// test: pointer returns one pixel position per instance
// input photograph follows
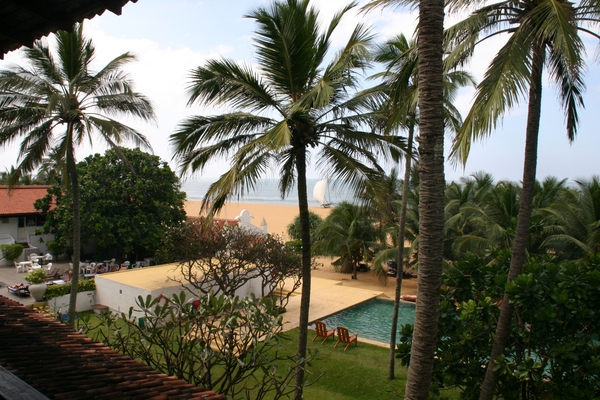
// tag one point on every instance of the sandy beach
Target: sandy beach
(278, 217)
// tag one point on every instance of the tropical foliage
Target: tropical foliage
(294, 107)
(349, 234)
(226, 343)
(58, 102)
(553, 349)
(540, 34)
(126, 206)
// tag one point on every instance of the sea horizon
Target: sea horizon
(266, 192)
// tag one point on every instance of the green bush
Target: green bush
(36, 276)
(85, 285)
(11, 251)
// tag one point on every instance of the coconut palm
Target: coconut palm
(400, 84)
(59, 102)
(575, 221)
(540, 34)
(293, 108)
(431, 170)
(350, 234)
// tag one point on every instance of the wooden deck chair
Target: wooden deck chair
(345, 337)
(323, 332)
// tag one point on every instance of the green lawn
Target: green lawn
(359, 373)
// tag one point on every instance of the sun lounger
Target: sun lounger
(19, 290)
(54, 274)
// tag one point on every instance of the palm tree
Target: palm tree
(400, 83)
(430, 55)
(540, 34)
(575, 221)
(350, 234)
(294, 108)
(58, 103)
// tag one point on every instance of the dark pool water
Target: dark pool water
(372, 319)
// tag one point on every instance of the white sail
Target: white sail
(319, 191)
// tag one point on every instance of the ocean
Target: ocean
(266, 192)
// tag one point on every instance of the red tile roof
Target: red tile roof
(64, 364)
(19, 200)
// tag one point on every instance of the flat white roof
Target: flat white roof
(148, 278)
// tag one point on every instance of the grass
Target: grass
(356, 374)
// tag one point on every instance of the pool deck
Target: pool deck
(326, 297)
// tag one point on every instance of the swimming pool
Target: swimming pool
(372, 319)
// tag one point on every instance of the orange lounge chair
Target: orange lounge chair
(345, 337)
(323, 332)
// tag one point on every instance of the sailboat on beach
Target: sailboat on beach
(320, 193)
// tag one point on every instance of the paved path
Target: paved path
(9, 276)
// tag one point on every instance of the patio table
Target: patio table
(26, 265)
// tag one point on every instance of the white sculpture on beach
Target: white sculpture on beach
(245, 221)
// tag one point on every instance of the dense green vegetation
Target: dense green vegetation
(11, 251)
(553, 349)
(127, 206)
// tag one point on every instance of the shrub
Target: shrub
(11, 251)
(36, 276)
(85, 285)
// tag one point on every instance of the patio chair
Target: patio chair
(20, 267)
(323, 332)
(345, 337)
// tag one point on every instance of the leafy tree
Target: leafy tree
(349, 234)
(296, 103)
(294, 229)
(540, 34)
(552, 350)
(125, 213)
(59, 102)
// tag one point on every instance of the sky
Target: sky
(171, 38)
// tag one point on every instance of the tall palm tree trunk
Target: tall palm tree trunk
(519, 244)
(400, 256)
(306, 265)
(431, 197)
(76, 246)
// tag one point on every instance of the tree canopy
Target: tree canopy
(124, 213)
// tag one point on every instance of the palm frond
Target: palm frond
(504, 83)
(226, 82)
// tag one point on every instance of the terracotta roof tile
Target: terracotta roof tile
(64, 364)
(19, 200)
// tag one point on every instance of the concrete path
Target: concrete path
(326, 297)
